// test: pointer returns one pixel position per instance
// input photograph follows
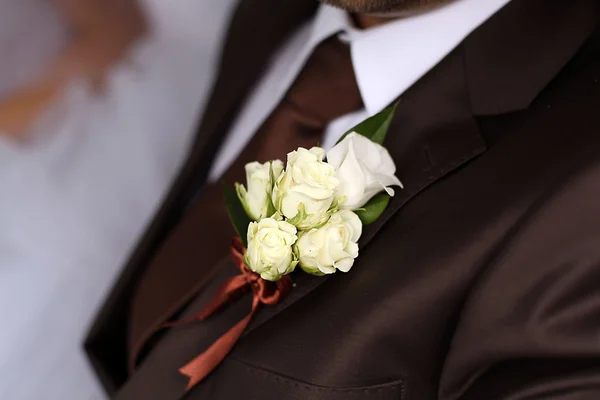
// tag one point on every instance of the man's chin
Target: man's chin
(386, 8)
(380, 7)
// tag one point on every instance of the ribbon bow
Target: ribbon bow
(264, 292)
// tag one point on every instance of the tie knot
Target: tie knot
(326, 88)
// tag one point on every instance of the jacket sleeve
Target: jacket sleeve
(530, 328)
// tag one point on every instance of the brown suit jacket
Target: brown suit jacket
(481, 279)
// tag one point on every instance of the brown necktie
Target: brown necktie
(325, 89)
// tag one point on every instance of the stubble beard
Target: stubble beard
(386, 7)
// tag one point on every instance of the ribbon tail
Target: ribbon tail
(229, 292)
(205, 363)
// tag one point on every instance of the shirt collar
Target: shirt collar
(327, 22)
(390, 58)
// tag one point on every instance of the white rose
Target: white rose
(305, 191)
(363, 168)
(332, 246)
(260, 179)
(269, 252)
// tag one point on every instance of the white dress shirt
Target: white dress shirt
(74, 202)
(387, 60)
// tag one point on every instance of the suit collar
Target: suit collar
(511, 58)
(380, 54)
(508, 60)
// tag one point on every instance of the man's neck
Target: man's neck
(365, 21)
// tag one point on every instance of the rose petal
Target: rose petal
(345, 264)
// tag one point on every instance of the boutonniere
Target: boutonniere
(309, 214)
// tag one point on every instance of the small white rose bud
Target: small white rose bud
(305, 191)
(260, 179)
(363, 168)
(331, 247)
(269, 252)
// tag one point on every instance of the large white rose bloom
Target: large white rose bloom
(363, 169)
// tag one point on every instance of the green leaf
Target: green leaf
(374, 208)
(241, 192)
(375, 127)
(270, 206)
(237, 214)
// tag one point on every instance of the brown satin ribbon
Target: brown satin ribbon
(264, 292)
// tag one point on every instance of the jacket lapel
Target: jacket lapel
(258, 29)
(432, 134)
(435, 130)
(182, 269)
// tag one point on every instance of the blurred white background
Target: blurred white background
(75, 199)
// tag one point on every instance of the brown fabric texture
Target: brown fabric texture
(479, 281)
(325, 89)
